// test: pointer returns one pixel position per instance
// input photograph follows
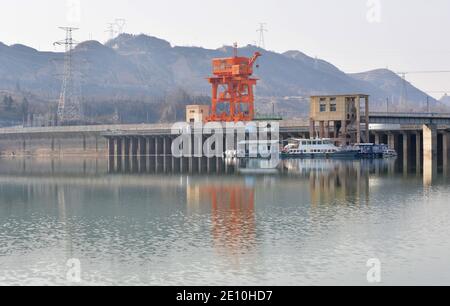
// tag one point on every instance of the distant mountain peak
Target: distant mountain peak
(380, 72)
(295, 54)
(90, 45)
(23, 48)
(445, 99)
(141, 42)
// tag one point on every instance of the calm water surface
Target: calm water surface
(308, 223)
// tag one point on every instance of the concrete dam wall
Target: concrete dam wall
(61, 144)
(86, 141)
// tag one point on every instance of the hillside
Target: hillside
(144, 69)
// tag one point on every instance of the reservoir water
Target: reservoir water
(305, 223)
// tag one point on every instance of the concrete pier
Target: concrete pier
(430, 142)
(445, 150)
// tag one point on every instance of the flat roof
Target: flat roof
(340, 95)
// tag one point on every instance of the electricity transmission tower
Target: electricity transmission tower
(111, 30)
(69, 106)
(262, 29)
(404, 95)
(120, 24)
(116, 27)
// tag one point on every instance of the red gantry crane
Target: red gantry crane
(233, 88)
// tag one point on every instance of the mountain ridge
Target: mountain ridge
(140, 67)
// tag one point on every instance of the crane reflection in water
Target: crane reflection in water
(232, 207)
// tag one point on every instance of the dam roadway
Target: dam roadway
(413, 135)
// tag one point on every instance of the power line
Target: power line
(404, 94)
(423, 72)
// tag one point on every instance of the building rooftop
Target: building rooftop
(340, 95)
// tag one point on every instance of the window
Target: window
(323, 107)
(333, 107)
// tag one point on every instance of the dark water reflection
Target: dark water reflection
(199, 223)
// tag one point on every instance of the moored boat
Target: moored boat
(317, 148)
(390, 153)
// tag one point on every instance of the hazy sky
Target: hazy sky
(355, 35)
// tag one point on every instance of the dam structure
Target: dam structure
(417, 135)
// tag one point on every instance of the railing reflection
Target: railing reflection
(167, 164)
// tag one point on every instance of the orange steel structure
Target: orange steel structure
(232, 89)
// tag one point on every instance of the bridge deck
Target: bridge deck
(286, 126)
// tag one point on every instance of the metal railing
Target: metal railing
(409, 114)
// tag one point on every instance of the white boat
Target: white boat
(317, 148)
(390, 153)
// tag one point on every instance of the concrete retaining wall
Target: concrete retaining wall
(80, 144)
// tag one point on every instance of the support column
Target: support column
(445, 147)
(358, 119)
(111, 162)
(119, 153)
(134, 146)
(134, 154)
(147, 146)
(367, 119)
(322, 129)
(165, 153)
(429, 153)
(391, 141)
(430, 141)
(127, 147)
(418, 151)
(156, 146)
(405, 151)
(377, 138)
(111, 143)
(327, 129)
(142, 146)
(159, 152)
(126, 154)
(343, 132)
(143, 154)
(312, 128)
(335, 129)
(151, 154)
